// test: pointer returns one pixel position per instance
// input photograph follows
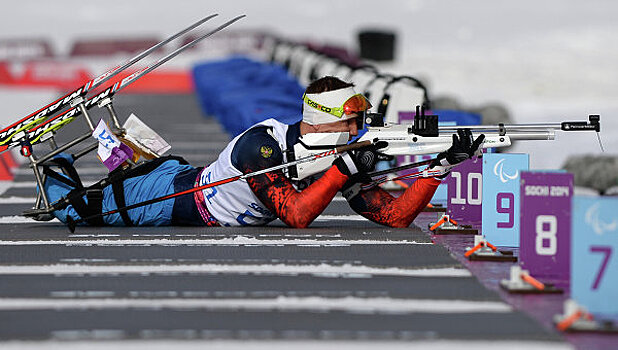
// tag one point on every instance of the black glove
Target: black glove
(464, 147)
(359, 162)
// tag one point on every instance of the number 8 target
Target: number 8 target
(546, 235)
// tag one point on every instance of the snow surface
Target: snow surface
(546, 60)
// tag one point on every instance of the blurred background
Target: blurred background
(544, 61)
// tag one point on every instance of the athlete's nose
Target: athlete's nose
(352, 127)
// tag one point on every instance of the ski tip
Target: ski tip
(71, 224)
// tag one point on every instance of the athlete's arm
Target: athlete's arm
(258, 150)
(379, 206)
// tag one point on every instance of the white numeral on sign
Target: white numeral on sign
(548, 235)
(473, 195)
(479, 188)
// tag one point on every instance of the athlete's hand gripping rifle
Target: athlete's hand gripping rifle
(425, 136)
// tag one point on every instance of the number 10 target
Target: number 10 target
(465, 192)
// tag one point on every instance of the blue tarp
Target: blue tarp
(240, 92)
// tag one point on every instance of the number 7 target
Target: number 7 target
(607, 251)
(594, 268)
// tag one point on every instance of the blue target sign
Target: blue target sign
(500, 206)
(594, 254)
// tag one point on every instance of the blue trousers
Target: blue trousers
(157, 183)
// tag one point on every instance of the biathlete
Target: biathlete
(332, 114)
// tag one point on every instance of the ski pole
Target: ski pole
(7, 133)
(72, 223)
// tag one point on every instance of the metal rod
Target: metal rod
(531, 135)
(63, 148)
(52, 143)
(112, 114)
(39, 180)
(82, 108)
(85, 151)
(514, 135)
(507, 127)
(37, 201)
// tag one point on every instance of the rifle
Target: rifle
(425, 136)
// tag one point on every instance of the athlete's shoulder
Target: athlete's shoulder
(256, 149)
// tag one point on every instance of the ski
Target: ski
(40, 115)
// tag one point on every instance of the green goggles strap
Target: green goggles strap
(336, 111)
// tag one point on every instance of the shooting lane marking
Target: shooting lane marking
(17, 200)
(345, 270)
(236, 241)
(17, 219)
(282, 303)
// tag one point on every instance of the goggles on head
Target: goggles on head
(355, 104)
(333, 106)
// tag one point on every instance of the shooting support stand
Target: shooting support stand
(577, 319)
(447, 226)
(521, 282)
(485, 251)
(43, 209)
